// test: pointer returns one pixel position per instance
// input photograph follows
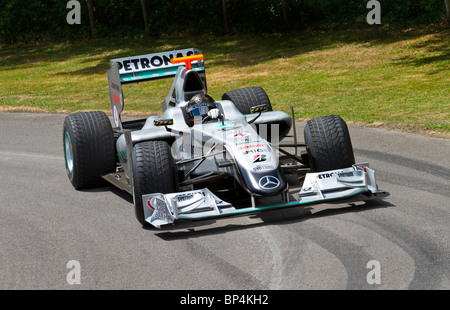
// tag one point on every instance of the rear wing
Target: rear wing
(142, 68)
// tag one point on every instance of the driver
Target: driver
(202, 105)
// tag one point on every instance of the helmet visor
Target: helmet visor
(198, 109)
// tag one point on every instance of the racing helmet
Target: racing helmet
(199, 105)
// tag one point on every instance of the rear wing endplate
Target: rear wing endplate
(142, 68)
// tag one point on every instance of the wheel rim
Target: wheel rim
(68, 151)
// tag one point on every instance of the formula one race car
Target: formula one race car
(205, 159)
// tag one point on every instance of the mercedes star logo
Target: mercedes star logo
(269, 182)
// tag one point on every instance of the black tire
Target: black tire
(328, 143)
(246, 98)
(153, 172)
(89, 153)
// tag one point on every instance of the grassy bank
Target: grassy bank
(393, 77)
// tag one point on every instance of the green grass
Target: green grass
(376, 76)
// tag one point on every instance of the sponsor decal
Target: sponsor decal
(185, 197)
(116, 99)
(250, 146)
(240, 134)
(269, 182)
(227, 124)
(242, 140)
(116, 116)
(189, 201)
(258, 168)
(259, 158)
(363, 168)
(159, 207)
(143, 63)
(252, 151)
(340, 174)
(149, 203)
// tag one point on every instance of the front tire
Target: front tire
(328, 144)
(88, 142)
(153, 172)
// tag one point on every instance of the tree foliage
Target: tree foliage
(24, 20)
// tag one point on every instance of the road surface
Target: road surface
(54, 237)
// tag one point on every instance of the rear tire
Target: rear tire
(246, 98)
(153, 172)
(328, 144)
(89, 153)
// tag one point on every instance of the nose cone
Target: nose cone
(266, 183)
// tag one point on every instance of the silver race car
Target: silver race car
(205, 159)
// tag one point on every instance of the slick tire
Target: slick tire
(246, 98)
(153, 172)
(328, 144)
(89, 153)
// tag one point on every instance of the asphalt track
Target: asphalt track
(45, 224)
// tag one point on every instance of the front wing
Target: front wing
(356, 183)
